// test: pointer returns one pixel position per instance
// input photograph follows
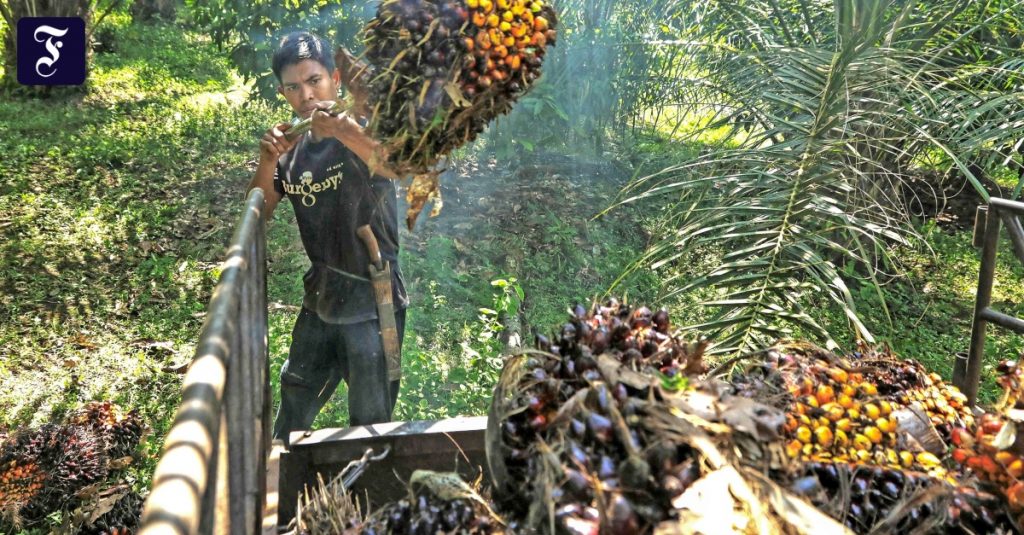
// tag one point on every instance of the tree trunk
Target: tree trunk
(145, 10)
(12, 10)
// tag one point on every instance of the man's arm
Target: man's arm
(273, 144)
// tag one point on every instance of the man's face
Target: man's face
(306, 83)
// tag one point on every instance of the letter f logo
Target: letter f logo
(51, 51)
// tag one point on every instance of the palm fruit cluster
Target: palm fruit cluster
(443, 69)
(428, 514)
(568, 428)
(121, 519)
(21, 480)
(121, 431)
(440, 502)
(63, 458)
(874, 499)
(867, 411)
(994, 451)
(910, 384)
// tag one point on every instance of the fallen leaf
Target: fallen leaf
(83, 342)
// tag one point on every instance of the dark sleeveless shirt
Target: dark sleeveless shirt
(333, 194)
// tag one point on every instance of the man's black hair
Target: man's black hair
(298, 46)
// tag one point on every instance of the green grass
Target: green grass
(118, 202)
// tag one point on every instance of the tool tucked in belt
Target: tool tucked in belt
(380, 277)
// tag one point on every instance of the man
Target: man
(326, 175)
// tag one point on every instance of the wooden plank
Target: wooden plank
(273, 475)
(455, 444)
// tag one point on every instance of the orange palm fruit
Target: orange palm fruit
(1016, 468)
(514, 62)
(539, 39)
(844, 424)
(906, 459)
(486, 5)
(505, 26)
(493, 19)
(508, 16)
(803, 434)
(824, 394)
(468, 42)
(1004, 458)
(861, 442)
(483, 40)
(872, 411)
(472, 4)
(838, 375)
(812, 401)
(873, 434)
(833, 411)
(841, 438)
(540, 24)
(793, 448)
(509, 41)
(823, 436)
(927, 460)
(479, 19)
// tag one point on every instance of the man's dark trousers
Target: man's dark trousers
(322, 355)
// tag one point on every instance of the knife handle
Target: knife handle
(370, 241)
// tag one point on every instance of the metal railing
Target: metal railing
(211, 473)
(967, 373)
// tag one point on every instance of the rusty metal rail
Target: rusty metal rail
(967, 374)
(211, 473)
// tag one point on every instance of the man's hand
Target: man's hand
(273, 144)
(338, 126)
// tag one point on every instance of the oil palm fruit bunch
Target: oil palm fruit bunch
(1010, 379)
(909, 383)
(122, 431)
(872, 409)
(122, 518)
(874, 499)
(439, 503)
(838, 414)
(569, 425)
(443, 69)
(46, 467)
(21, 481)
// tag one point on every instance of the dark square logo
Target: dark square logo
(51, 51)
